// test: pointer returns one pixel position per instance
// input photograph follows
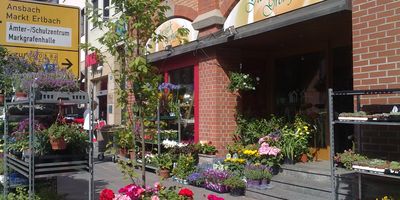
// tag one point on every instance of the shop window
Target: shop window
(185, 79)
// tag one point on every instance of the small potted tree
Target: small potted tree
(164, 163)
(236, 185)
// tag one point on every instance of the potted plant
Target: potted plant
(241, 81)
(207, 152)
(184, 167)
(124, 140)
(253, 176)
(237, 186)
(196, 179)
(57, 133)
(164, 163)
(214, 180)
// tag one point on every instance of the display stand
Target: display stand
(47, 166)
(333, 121)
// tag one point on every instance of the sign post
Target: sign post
(45, 33)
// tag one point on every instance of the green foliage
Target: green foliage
(241, 81)
(394, 165)
(206, 148)
(127, 167)
(294, 141)
(249, 131)
(164, 161)
(20, 194)
(348, 158)
(253, 174)
(185, 165)
(124, 138)
(235, 182)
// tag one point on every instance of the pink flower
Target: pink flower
(265, 149)
(155, 197)
(122, 197)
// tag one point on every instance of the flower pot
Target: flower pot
(132, 155)
(58, 143)
(304, 158)
(206, 159)
(237, 192)
(123, 152)
(253, 183)
(164, 173)
(20, 95)
(1, 99)
(288, 161)
(274, 170)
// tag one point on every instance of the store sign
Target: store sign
(51, 31)
(169, 30)
(249, 11)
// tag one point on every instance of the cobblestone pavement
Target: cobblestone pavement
(107, 175)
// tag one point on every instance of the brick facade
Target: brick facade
(376, 65)
(217, 106)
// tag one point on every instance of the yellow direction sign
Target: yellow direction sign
(48, 59)
(45, 28)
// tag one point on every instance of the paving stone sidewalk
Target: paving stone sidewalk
(107, 175)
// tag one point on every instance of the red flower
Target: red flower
(107, 194)
(214, 197)
(185, 192)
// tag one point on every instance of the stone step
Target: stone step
(311, 187)
(277, 193)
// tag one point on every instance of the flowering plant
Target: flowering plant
(135, 192)
(184, 166)
(214, 197)
(171, 144)
(206, 148)
(215, 175)
(196, 179)
(241, 81)
(185, 192)
(169, 103)
(58, 80)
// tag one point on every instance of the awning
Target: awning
(311, 12)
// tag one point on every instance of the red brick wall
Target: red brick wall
(217, 105)
(376, 65)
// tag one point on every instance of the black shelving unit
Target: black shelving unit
(46, 166)
(333, 121)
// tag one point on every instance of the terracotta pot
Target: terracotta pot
(164, 173)
(132, 155)
(304, 158)
(20, 94)
(123, 152)
(1, 99)
(58, 143)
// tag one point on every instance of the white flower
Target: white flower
(181, 145)
(169, 143)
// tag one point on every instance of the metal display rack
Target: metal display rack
(333, 121)
(32, 168)
(159, 130)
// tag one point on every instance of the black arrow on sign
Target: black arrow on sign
(68, 63)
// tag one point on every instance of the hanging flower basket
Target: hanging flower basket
(58, 143)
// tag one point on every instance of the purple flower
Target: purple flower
(168, 86)
(58, 80)
(215, 176)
